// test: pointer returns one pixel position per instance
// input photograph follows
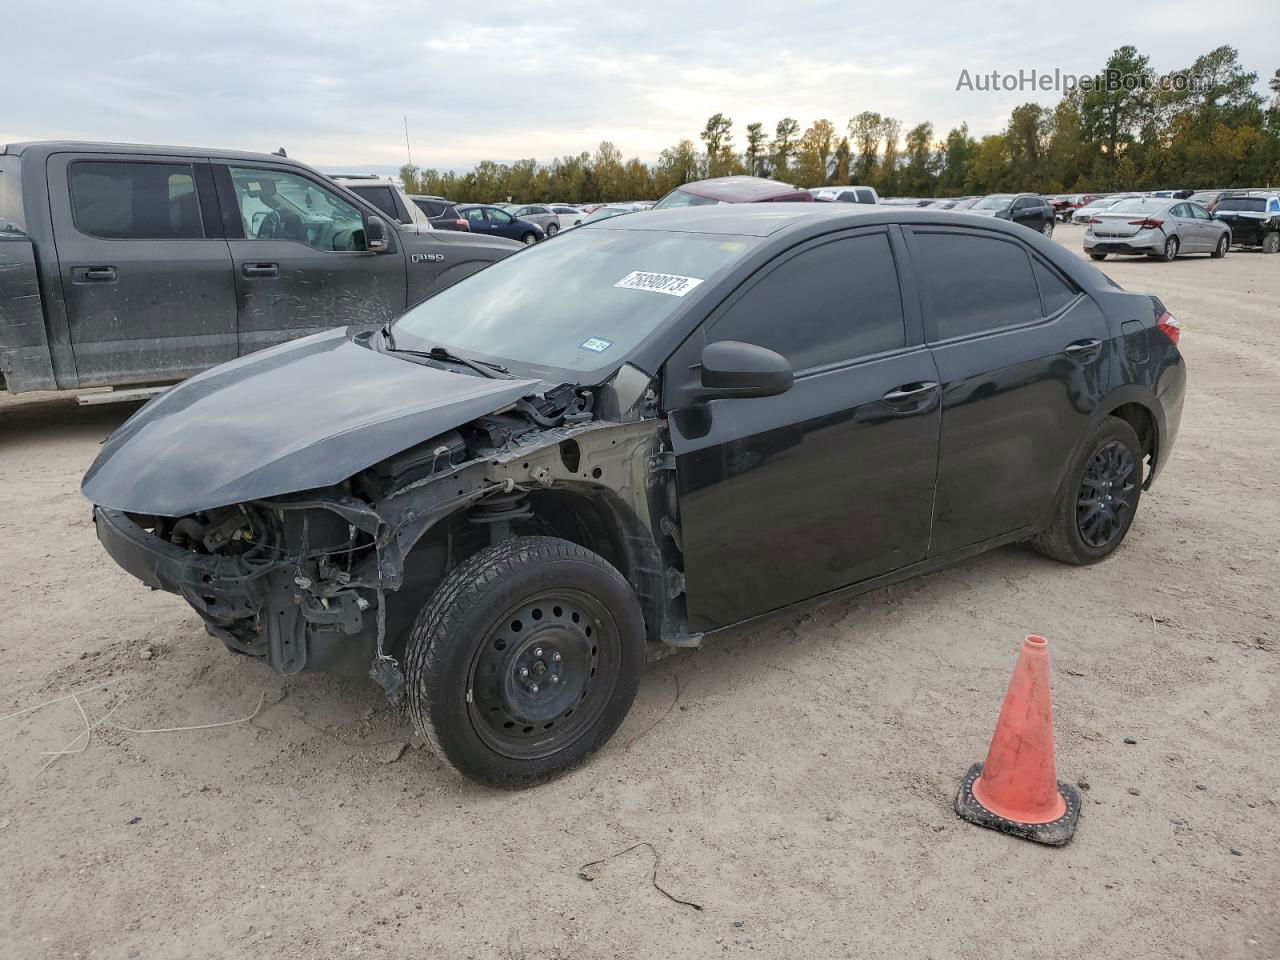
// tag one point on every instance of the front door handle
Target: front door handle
(910, 395)
(254, 270)
(1083, 349)
(96, 274)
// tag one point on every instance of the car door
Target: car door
(1190, 235)
(1022, 358)
(784, 498)
(1026, 212)
(300, 257)
(145, 271)
(1209, 231)
(501, 223)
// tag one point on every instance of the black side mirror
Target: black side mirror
(375, 234)
(734, 369)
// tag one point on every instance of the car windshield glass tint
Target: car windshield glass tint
(996, 202)
(580, 303)
(1139, 205)
(682, 198)
(1256, 204)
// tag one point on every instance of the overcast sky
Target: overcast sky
(333, 81)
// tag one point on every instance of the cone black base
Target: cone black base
(1055, 833)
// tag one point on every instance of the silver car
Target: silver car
(537, 213)
(1157, 227)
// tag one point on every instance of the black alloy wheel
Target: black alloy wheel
(1106, 497)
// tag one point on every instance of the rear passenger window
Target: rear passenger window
(126, 200)
(974, 284)
(865, 196)
(831, 303)
(1055, 292)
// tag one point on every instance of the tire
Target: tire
(552, 229)
(1086, 529)
(1271, 243)
(1097, 256)
(1170, 252)
(538, 604)
(1047, 228)
(529, 239)
(1220, 251)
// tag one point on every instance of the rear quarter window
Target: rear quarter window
(974, 284)
(11, 213)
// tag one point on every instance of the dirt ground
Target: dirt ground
(800, 791)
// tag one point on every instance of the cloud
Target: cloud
(333, 82)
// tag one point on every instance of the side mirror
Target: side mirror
(375, 234)
(734, 369)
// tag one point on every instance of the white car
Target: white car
(569, 216)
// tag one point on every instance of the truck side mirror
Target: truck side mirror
(375, 234)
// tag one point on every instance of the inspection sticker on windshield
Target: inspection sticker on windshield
(667, 283)
(595, 344)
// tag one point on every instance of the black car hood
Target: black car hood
(308, 413)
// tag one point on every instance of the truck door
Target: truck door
(144, 268)
(300, 258)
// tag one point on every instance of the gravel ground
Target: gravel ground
(800, 790)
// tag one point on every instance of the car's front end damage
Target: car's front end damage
(330, 578)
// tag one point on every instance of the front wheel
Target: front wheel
(1099, 499)
(1097, 256)
(529, 239)
(1047, 228)
(1220, 250)
(525, 661)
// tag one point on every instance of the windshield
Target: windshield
(1139, 205)
(1257, 204)
(580, 303)
(996, 201)
(682, 198)
(604, 213)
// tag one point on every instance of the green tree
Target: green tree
(920, 161)
(718, 137)
(813, 154)
(756, 156)
(864, 135)
(784, 146)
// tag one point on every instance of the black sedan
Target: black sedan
(718, 413)
(499, 223)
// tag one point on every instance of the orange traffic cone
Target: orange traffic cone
(1017, 791)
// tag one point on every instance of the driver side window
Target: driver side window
(498, 216)
(275, 205)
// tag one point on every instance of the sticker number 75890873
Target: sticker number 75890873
(668, 283)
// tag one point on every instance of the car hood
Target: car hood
(305, 414)
(984, 213)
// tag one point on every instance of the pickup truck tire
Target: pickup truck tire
(1271, 243)
(1098, 499)
(525, 661)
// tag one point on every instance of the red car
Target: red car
(732, 190)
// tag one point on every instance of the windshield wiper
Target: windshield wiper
(495, 371)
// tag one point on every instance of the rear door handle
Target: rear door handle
(910, 395)
(96, 274)
(1083, 349)
(260, 270)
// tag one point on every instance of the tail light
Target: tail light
(1093, 220)
(1170, 327)
(1147, 224)
(462, 224)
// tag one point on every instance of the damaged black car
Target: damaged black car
(499, 505)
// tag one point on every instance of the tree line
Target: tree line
(1217, 131)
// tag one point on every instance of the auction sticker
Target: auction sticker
(595, 344)
(668, 283)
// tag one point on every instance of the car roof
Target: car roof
(740, 189)
(767, 220)
(47, 147)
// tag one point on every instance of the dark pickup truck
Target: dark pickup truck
(126, 265)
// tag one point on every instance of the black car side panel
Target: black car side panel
(25, 362)
(783, 498)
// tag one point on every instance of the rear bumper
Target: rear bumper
(1148, 241)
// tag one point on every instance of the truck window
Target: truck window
(275, 205)
(130, 200)
(11, 217)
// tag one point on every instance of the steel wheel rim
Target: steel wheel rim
(515, 706)
(1107, 492)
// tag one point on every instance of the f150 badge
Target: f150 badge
(426, 258)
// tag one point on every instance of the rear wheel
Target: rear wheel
(1170, 251)
(1099, 499)
(525, 661)
(1271, 243)
(552, 229)
(1220, 250)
